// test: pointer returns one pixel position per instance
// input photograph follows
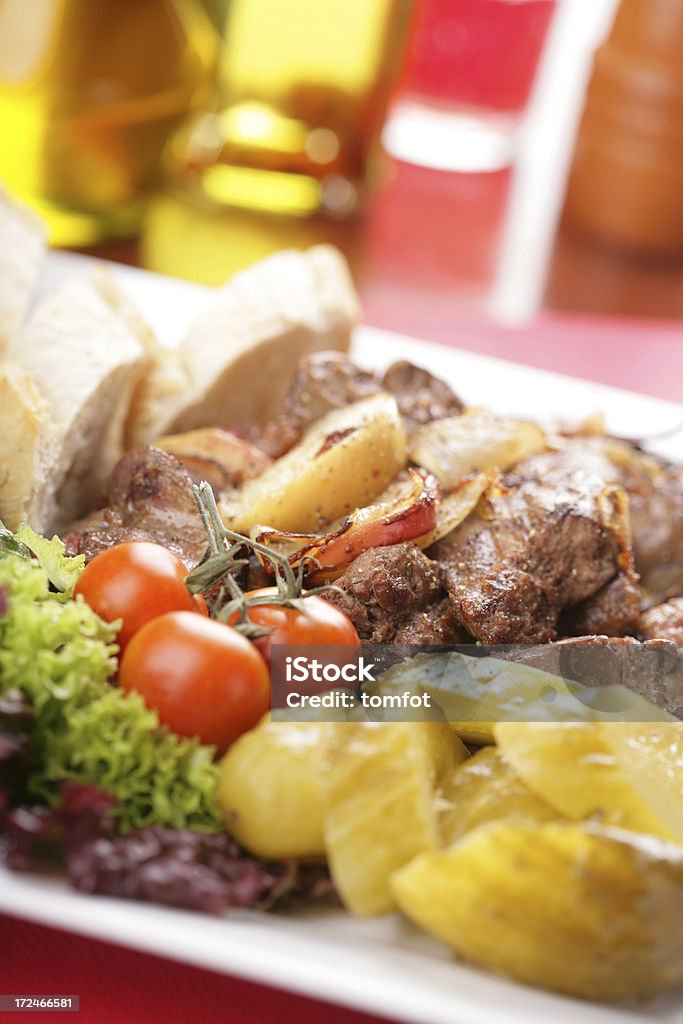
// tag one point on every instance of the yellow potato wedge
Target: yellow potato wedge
(453, 448)
(624, 773)
(335, 711)
(483, 789)
(478, 734)
(270, 789)
(473, 692)
(579, 908)
(342, 463)
(379, 782)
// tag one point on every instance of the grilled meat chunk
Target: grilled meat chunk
(653, 669)
(322, 382)
(656, 503)
(554, 539)
(614, 611)
(664, 622)
(394, 592)
(326, 381)
(330, 380)
(436, 624)
(421, 397)
(149, 498)
(655, 492)
(274, 438)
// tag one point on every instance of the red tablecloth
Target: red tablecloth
(117, 986)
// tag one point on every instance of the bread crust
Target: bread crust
(29, 449)
(22, 249)
(86, 378)
(85, 362)
(235, 363)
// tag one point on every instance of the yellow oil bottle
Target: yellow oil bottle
(304, 90)
(90, 92)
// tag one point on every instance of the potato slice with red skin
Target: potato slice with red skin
(411, 510)
(342, 463)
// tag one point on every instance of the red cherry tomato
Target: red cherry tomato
(203, 678)
(321, 623)
(136, 582)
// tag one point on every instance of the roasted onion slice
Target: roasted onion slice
(454, 508)
(408, 511)
(477, 441)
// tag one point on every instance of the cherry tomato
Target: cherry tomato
(203, 678)
(136, 582)
(321, 623)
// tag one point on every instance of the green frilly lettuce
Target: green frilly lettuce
(60, 654)
(61, 571)
(158, 777)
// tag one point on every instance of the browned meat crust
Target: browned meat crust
(150, 498)
(655, 493)
(394, 592)
(657, 525)
(274, 438)
(613, 611)
(437, 624)
(326, 381)
(330, 380)
(665, 622)
(323, 381)
(653, 669)
(553, 540)
(421, 397)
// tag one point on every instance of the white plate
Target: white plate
(383, 965)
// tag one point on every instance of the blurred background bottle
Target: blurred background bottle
(304, 90)
(626, 184)
(470, 71)
(90, 92)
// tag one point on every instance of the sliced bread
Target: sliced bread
(29, 449)
(236, 361)
(85, 361)
(22, 248)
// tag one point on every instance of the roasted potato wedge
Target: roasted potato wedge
(477, 734)
(453, 448)
(483, 789)
(624, 773)
(473, 693)
(379, 783)
(238, 459)
(583, 909)
(342, 463)
(270, 789)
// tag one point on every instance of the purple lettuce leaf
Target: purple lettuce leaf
(193, 870)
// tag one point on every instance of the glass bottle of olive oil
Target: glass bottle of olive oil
(305, 86)
(90, 91)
